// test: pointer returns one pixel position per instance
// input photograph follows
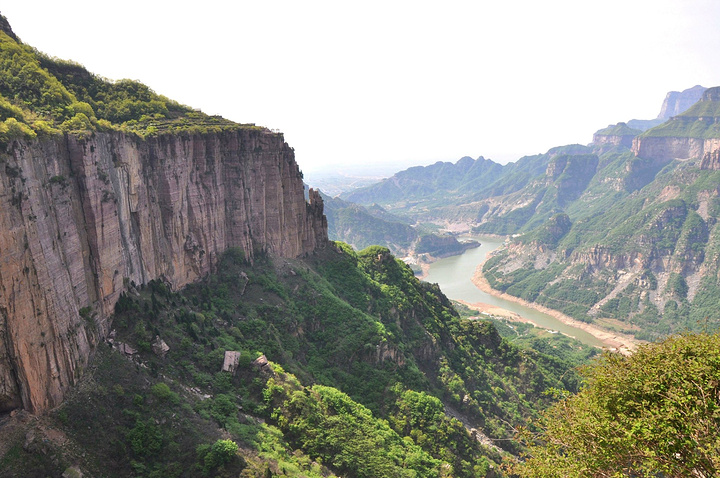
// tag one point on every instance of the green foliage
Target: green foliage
(328, 424)
(145, 438)
(677, 286)
(26, 84)
(12, 129)
(162, 392)
(79, 122)
(43, 95)
(221, 453)
(655, 412)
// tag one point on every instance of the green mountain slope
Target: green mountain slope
(641, 252)
(427, 182)
(372, 373)
(363, 226)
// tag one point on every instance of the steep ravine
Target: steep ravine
(81, 218)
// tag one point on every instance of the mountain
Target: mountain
(677, 102)
(104, 184)
(640, 251)
(423, 182)
(362, 226)
(620, 232)
(340, 363)
(620, 134)
(170, 305)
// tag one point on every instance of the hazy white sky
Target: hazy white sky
(395, 81)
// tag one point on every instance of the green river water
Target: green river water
(454, 275)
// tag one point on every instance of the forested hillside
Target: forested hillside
(369, 372)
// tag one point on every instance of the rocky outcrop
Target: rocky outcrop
(690, 135)
(82, 217)
(5, 28)
(571, 174)
(680, 148)
(442, 246)
(615, 135)
(711, 160)
(676, 102)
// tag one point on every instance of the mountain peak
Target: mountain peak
(677, 102)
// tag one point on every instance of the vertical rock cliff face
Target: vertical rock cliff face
(81, 218)
(677, 102)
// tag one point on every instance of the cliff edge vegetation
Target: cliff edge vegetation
(103, 184)
(42, 95)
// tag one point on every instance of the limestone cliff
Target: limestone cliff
(676, 102)
(82, 217)
(690, 135)
(615, 135)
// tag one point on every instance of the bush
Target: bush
(221, 453)
(655, 413)
(162, 392)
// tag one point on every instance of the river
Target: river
(454, 275)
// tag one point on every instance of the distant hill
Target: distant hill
(362, 226)
(424, 182)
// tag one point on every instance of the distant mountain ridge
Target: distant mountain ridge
(622, 232)
(677, 102)
(422, 182)
(639, 247)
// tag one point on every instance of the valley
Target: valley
(176, 300)
(460, 278)
(619, 234)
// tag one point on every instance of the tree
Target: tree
(221, 453)
(654, 413)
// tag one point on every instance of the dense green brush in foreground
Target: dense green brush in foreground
(655, 413)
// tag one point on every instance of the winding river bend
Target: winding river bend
(454, 274)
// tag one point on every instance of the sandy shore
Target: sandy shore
(495, 311)
(611, 339)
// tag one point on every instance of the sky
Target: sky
(395, 82)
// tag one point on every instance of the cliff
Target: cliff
(689, 135)
(615, 135)
(82, 217)
(676, 102)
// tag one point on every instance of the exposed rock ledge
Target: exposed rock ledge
(81, 218)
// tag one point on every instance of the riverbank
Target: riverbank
(612, 340)
(424, 260)
(495, 311)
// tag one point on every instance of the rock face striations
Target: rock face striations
(83, 217)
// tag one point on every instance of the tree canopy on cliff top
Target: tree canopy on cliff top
(40, 95)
